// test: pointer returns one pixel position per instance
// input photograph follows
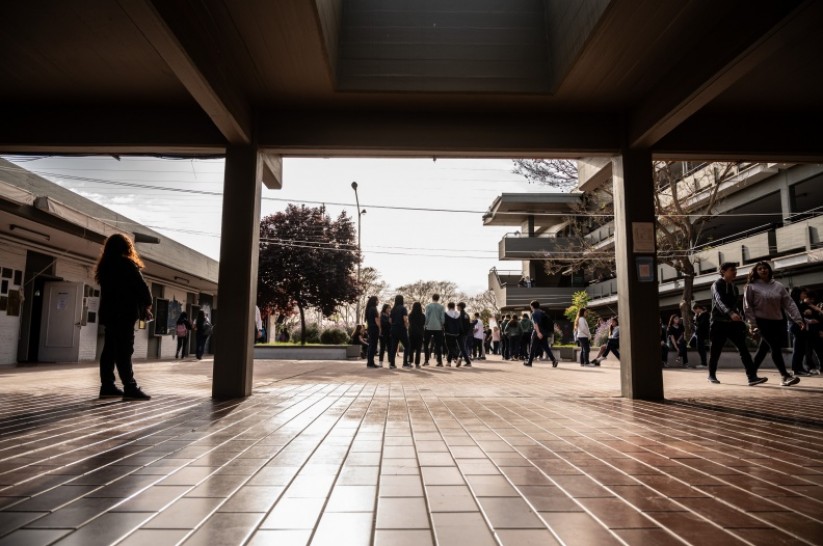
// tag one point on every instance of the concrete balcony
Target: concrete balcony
(534, 248)
(510, 295)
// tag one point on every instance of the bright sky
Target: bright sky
(403, 245)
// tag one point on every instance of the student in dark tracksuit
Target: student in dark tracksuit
(727, 323)
(417, 321)
(124, 298)
(373, 329)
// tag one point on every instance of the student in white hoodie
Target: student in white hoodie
(764, 302)
(583, 335)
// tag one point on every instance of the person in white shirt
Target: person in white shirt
(583, 336)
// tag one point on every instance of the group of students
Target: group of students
(202, 330)
(766, 307)
(440, 331)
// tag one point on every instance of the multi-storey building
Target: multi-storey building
(765, 211)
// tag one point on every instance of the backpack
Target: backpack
(546, 325)
(181, 329)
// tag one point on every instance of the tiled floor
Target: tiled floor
(333, 453)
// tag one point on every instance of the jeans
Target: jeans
(182, 346)
(585, 348)
(118, 346)
(513, 347)
(613, 346)
(385, 341)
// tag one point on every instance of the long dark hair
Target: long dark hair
(398, 300)
(753, 276)
(671, 319)
(117, 246)
(372, 302)
(417, 309)
(182, 318)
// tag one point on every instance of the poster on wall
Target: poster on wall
(13, 306)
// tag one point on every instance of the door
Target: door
(60, 323)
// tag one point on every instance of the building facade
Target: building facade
(50, 239)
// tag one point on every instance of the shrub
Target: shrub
(334, 336)
(312, 334)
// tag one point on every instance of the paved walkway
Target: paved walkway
(333, 453)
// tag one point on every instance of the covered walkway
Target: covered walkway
(332, 453)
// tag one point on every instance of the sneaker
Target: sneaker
(814, 371)
(554, 363)
(135, 393)
(392, 367)
(407, 365)
(467, 365)
(527, 364)
(715, 380)
(439, 365)
(801, 374)
(110, 391)
(372, 366)
(790, 380)
(757, 381)
(596, 361)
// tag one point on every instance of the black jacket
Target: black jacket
(725, 301)
(124, 295)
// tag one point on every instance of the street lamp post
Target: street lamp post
(359, 253)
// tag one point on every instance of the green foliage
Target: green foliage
(312, 334)
(334, 336)
(580, 300)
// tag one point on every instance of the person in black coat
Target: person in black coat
(124, 298)
(701, 331)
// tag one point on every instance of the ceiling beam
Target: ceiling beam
(216, 96)
(758, 137)
(717, 63)
(438, 134)
(78, 129)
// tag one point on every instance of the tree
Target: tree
(306, 260)
(484, 303)
(683, 206)
(422, 291)
(558, 173)
(371, 284)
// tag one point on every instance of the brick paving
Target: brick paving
(333, 453)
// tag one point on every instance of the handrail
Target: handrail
(805, 215)
(736, 236)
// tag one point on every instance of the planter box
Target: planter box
(309, 352)
(566, 353)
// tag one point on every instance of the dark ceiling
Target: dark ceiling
(696, 78)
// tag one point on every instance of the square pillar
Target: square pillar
(237, 279)
(641, 374)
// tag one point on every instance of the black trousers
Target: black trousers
(415, 346)
(385, 341)
(734, 331)
(118, 346)
(373, 335)
(182, 344)
(398, 337)
(435, 336)
(540, 346)
(771, 334)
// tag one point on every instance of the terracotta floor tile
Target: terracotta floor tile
(75, 514)
(695, 529)
(460, 529)
(402, 513)
(252, 498)
(154, 537)
(527, 537)
(105, 530)
(400, 486)
(352, 498)
(578, 529)
(510, 513)
(404, 537)
(33, 537)
(644, 537)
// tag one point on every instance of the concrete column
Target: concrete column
(237, 280)
(641, 375)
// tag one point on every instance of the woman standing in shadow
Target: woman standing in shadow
(124, 298)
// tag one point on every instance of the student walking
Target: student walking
(465, 333)
(181, 330)
(202, 333)
(542, 335)
(727, 323)
(385, 331)
(124, 298)
(701, 331)
(764, 302)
